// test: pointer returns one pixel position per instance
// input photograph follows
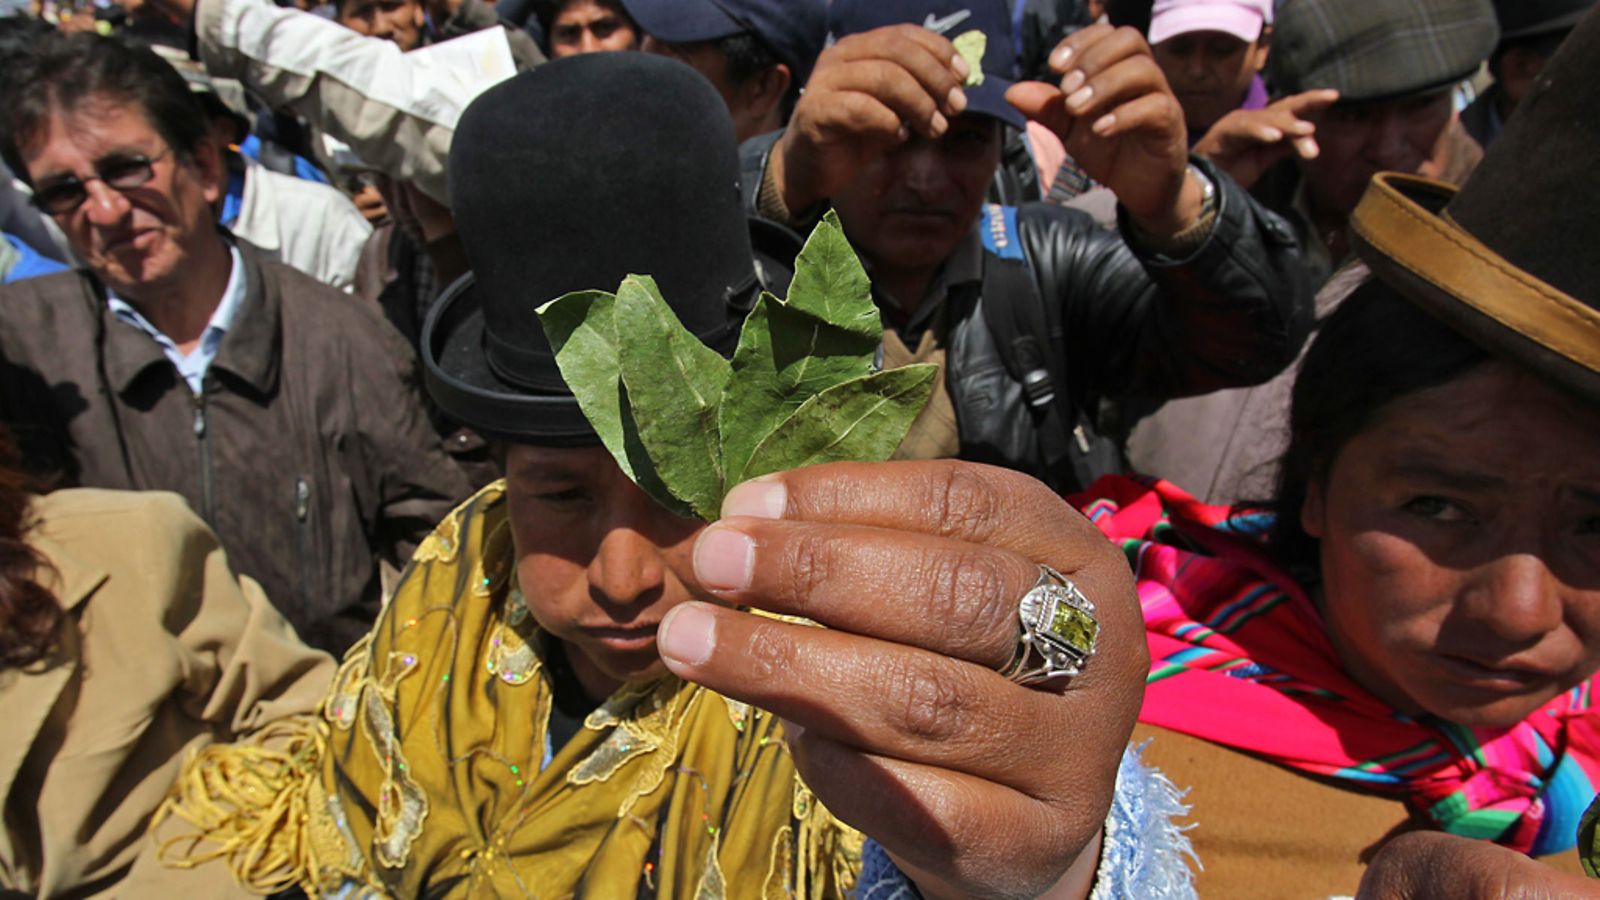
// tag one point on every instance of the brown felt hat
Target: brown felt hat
(1510, 261)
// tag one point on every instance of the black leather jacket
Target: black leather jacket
(1124, 325)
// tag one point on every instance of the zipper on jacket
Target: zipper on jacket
(202, 439)
(302, 514)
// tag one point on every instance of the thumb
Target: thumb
(1043, 103)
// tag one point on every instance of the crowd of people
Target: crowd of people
(1247, 546)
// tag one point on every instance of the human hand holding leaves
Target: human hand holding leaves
(687, 425)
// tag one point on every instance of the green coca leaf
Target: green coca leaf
(674, 386)
(830, 283)
(686, 425)
(826, 333)
(864, 419)
(581, 329)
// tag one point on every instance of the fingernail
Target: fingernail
(959, 63)
(1081, 98)
(791, 732)
(688, 634)
(757, 499)
(1308, 147)
(939, 124)
(1104, 124)
(1272, 135)
(723, 558)
(957, 100)
(1073, 81)
(1060, 58)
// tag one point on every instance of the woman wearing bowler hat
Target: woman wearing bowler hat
(1407, 638)
(565, 698)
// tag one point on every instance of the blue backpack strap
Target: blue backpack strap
(1000, 236)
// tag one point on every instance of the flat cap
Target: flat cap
(1378, 49)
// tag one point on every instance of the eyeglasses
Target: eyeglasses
(120, 173)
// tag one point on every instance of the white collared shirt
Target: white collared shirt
(192, 366)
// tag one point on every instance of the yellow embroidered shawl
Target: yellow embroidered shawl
(421, 776)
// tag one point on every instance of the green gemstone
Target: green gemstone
(1076, 627)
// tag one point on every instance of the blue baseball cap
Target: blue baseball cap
(950, 18)
(795, 30)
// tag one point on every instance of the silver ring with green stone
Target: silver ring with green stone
(1058, 631)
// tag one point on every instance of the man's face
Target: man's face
(137, 240)
(911, 207)
(1210, 72)
(701, 56)
(598, 560)
(589, 26)
(1359, 140)
(751, 109)
(394, 20)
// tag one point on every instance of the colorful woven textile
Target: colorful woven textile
(1239, 657)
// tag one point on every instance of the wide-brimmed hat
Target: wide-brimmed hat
(1509, 260)
(1372, 50)
(950, 18)
(570, 177)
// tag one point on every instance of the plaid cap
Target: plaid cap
(1377, 49)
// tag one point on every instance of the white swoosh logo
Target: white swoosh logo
(942, 24)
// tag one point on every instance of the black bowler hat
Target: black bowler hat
(570, 177)
(1509, 260)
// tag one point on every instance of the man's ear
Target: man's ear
(1312, 510)
(209, 162)
(764, 91)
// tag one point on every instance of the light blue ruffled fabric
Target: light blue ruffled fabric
(1144, 854)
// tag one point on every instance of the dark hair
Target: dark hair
(58, 71)
(29, 614)
(1375, 348)
(545, 12)
(749, 56)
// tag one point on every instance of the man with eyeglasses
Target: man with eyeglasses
(180, 359)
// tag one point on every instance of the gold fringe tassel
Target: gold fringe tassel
(261, 808)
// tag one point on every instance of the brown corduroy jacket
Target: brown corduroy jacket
(307, 452)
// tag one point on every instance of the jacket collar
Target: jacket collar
(249, 351)
(28, 695)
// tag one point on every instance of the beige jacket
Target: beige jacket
(163, 650)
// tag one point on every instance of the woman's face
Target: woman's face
(1460, 542)
(598, 560)
(1209, 72)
